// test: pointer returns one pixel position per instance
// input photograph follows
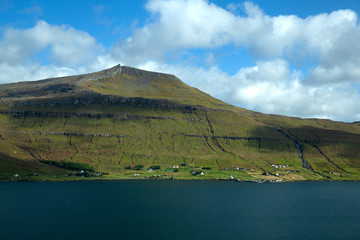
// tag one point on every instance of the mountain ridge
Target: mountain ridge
(123, 116)
(121, 81)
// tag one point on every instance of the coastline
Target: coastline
(170, 179)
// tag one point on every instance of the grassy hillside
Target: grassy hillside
(123, 121)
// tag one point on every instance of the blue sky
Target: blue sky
(297, 58)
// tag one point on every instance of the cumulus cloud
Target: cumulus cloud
(68, 51)
(28, 71)
(271, 87)
(31, 71)
(329, 39)
(200, 24)
(180, 25)
(233, 6)
(67, 46)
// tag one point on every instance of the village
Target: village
(184, 171)
(171, 172)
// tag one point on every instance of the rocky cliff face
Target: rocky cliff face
(97, 100)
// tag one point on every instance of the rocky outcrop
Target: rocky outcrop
(93, 99)
(118, 70)
(105, 135)
(138, 72)
(27, 113)
(226, 137)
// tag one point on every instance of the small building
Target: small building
(175, 166)
(196, 172)
(136, 175)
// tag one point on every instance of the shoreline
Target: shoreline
(169, 179)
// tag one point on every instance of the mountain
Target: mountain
(122, 121)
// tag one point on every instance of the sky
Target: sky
(295, 58)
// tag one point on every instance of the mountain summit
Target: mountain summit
(123, 121)
(119, 83)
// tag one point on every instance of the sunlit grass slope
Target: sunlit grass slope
(123, 117)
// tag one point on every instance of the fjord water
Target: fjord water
(179, 210)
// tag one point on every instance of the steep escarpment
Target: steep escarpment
(123, 117)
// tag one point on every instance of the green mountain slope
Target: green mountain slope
(123, 117)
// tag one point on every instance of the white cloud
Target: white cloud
(69, 51)
(180, 25)
(33, 71)
(335, 74)
(67, 46)
(284, 92)
(233, 6)
(185, 24)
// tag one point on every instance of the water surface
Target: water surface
(179, 210)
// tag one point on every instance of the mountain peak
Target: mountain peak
(118, 82)
(130, 71)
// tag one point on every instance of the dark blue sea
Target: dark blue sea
(179, 210)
